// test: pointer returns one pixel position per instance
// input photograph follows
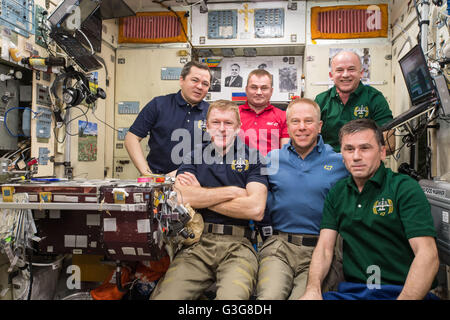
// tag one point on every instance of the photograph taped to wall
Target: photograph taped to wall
(365, 60)
(234, 79)
(216, 76)
(87, 141)
(286, 76)
(288, 79)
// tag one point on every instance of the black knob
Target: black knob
(101, 93)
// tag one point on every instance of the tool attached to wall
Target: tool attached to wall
(41, 61)
(48, 64)
(16, 75)
(73, 95)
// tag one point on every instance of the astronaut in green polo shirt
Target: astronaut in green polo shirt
(349, 99)
(384, 218)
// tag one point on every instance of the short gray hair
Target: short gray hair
(305, 101)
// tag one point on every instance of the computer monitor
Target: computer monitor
(417, 76)
(420, 85)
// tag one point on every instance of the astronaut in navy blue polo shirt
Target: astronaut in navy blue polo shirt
(225, 182)
(300, 175)
(175, 122)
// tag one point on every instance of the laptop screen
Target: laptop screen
(417, 76)
(92, 29)
(70, 14)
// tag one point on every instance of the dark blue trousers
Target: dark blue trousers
(360, 291)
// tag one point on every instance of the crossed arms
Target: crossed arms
(231, 201)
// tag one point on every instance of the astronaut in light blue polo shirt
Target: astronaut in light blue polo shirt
(300, 175)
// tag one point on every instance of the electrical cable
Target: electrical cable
(87, 39)
(13, 153)
(47, 44)
(44, 33)
(179, 20)
(6, 125)
(83, 113)
(189, 5)
(419, 21)
(409, 139)
(395, 153)
(93, 112)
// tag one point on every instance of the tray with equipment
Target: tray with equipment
(121, 219)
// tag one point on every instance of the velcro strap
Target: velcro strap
(230, 230)
(307, 240)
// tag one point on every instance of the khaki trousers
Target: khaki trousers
(230, 261)
(284, 267)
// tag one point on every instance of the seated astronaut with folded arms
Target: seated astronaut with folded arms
(224, 181)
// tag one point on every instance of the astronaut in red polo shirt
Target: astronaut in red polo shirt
(263, 125)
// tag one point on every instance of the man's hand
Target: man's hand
(188, 179)
(146, 172)
(203, 197)
(423, 268)
(311, 295)
(250, 205)
(320, 264)
(134, 149)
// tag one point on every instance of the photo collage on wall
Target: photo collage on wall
(229, 76)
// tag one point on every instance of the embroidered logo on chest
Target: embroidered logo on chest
(275, 124)
(201, 124)
(240, 165)
(383, 207)
(361, 111)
